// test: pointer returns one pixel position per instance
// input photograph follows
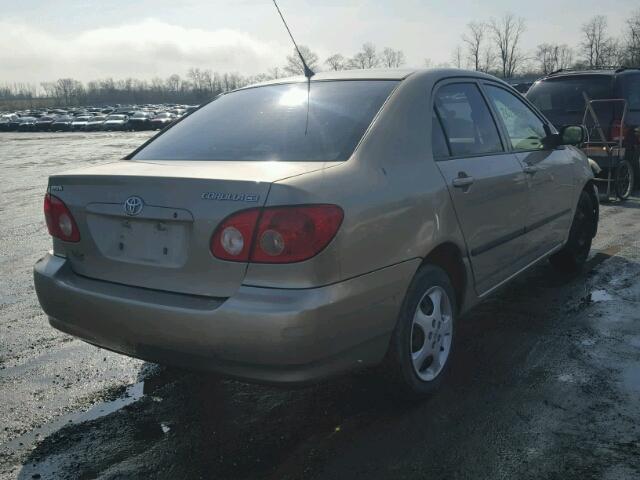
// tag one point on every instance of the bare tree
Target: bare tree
(275, 73)
(552, 57)
(392, 58)
(507, 33)
(545, 56)
(198, 79)
(480, 56)
(366, 58)
(598, 48)
(49, 89)
(69, 90)
(294, 64)
(474, 40)
(565, 57)
(174, 82)
(336, 62)
(632, 40)
(489, 59)
(370, 55)
(457, 57)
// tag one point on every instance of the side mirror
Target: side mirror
(572, 135)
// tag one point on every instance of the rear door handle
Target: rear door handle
(462, 182)
(528, 169)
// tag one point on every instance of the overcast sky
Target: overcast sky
(46, 39)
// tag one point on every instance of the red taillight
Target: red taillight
(232, 239)
(276, 234)
(60, 222)
(293, 234)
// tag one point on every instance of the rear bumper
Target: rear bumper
(260, 334)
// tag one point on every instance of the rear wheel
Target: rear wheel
(422, 342)
(624, 179)
(574, 254)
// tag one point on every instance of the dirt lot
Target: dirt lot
(545, 382)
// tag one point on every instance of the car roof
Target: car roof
(604, 72)
(361, 74)
(377, 74)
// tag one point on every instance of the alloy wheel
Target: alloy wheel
(431, 333)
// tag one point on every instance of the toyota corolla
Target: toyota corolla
(297, 229)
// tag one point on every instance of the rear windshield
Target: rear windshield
(276, 123)
(565, 95)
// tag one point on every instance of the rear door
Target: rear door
(486, 182)
(549, 171)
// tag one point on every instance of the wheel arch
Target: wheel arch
(450, 258)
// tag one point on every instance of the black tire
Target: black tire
(624, 179)
(574, 254)
(399, 363)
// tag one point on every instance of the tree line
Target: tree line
(199, 85)
(493, 46)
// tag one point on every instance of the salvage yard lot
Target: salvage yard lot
(545, 382)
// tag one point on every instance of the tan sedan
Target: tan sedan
(293, 230)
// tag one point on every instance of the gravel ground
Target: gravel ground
(545, 382)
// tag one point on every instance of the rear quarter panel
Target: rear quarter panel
(396, 205)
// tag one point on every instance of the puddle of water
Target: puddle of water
(133, 393)
(600, 296)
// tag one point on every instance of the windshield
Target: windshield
(271, 123)
(115, 117)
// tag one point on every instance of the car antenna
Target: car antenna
(307, 71)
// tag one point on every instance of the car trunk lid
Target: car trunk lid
(149, 224)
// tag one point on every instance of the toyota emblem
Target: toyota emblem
(133, 206)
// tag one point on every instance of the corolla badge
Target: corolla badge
(230, 197)
(133, 206)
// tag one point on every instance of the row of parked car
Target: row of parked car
(90, 119)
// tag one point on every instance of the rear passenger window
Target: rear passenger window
(466, 119)
(438, 142)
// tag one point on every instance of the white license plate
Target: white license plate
(141, 241)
